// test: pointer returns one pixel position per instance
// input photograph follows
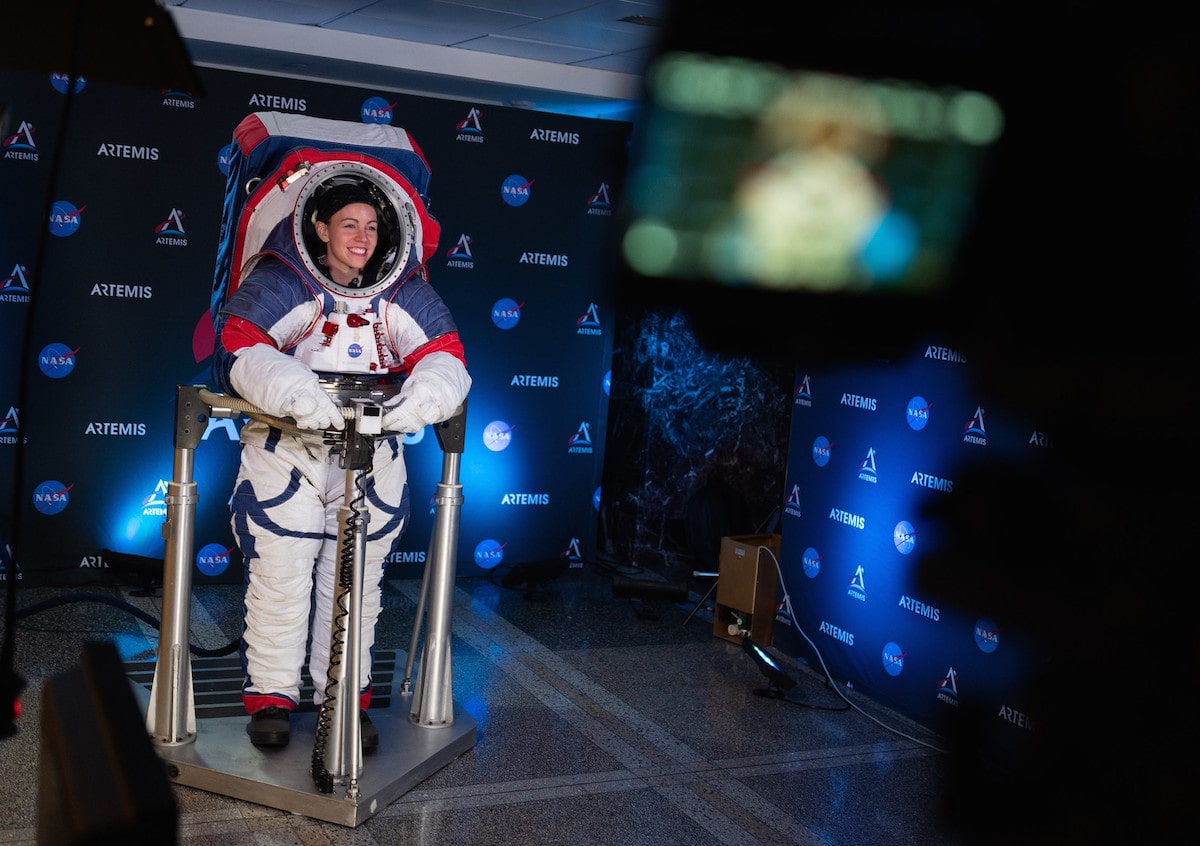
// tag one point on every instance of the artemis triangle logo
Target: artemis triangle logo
(572, 553)
(469, 128)
(11, 424)
(973, 431)
(20, 145)
(858, 586)
(803, 393)
(600, 203)
(581, 441)
(459, 255)
(14, 288)
(947, 688)
(866, 470)
(791, 505)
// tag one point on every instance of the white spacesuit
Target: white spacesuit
(295, 342)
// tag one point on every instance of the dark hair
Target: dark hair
(340, 196)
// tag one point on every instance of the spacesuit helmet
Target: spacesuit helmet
(325, 199)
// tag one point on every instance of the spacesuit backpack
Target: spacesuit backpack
(280, 165)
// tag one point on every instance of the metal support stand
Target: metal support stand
(217, 755)
(700, 574)
(171, 718)
(433, 703)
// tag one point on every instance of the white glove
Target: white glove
(411, 410)
(283, 386)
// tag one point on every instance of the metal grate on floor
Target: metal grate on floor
(217, 683)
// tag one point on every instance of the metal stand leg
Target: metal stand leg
(171, 716)
(433, 703)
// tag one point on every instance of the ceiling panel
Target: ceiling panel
(569, 56)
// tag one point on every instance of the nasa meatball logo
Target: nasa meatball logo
(516, 190)
(489, 553)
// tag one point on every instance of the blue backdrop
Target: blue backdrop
(117, 192)
(882, 465)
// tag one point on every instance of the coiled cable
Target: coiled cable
(322, 778)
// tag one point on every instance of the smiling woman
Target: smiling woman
(330, 315)
(346, 221)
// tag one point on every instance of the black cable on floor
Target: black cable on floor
(776, 693)
(45, 605)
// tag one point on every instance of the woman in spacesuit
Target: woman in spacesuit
(314, 312)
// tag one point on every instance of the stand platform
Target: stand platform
(223, 760)
(419, 732)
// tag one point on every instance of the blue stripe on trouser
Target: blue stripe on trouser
(280, 495)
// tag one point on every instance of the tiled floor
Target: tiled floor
(594, 726)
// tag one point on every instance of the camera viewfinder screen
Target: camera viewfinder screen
(746, 173)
